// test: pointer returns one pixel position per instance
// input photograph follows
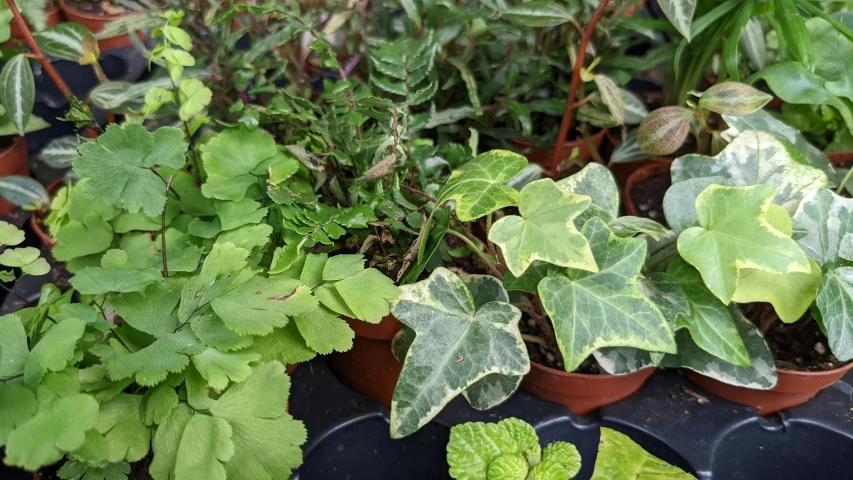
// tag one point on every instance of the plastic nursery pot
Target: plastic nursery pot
(13, 161)
(838, 159)
(653, 167)
(53, 14)
(96, 22)
(37, 218)
(792, 388)
(543, 156)
(582, 393)
(369, 367)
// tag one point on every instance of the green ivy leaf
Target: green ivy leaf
(791, 294)
(607, 308)
(545, 230)
(475, 342)
(620, 457)
(629, 226)
(679, 202)
(119, 166)
(826, 223)
(596, 182)
(735, 233)
(835, 301)
(478, 186)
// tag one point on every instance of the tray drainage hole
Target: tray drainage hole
(773, 423)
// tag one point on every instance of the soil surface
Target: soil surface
(7, 141)
(98, 7)
(550, 356)
(798, 346)
(647, 196)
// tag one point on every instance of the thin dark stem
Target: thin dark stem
(488, 264)
(6, 379)
(169, 189)
(573, 88)
(590, 145)
(192, 314)
(418, 192)
(163, 230)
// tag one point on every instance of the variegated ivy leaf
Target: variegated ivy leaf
(478, 186)
(736, 231)
(629, 226)
(680, 14)
(596, 182)
(825, 221)
(664, 130)
(622, 360)
(455, 345)
(620, 457)
(733, 98)
(835, 302)
(607, 308)
(545, 230)
(761, 374)
(754, 158)
(679, 201)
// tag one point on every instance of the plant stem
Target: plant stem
(663, 247)
(491, 266)
(660, 260)
(573, 88)
(534, 339)
(163, 230)
(844, 182)
(593, 151)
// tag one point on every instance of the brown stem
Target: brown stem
(573, 88)
(542, 322)
(590, 145)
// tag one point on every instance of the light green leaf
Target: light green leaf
(236, 214)
(233, 158)
(116, 274)
(10, 234)
(18, 91)
(607, 308)
(478, 186)
(563, 454)
(545, 230)
(168, 435)
(54, 351)
(754, 158)
(119, 166)
(152, 364)
(596, 182)
(76, 470)
(152, 310)
(470, 83)
(826, 223)
(733, 98)
(220, 368)
(324, 332)
(630, 226)
(206, 445)
(285, 345)
(474, 446)
(193, 97)
(127, 438)
(611, 96)
(734, 234)
(17, 405)
(835, 301)
(620, 457)
(23, 191)
(679, 202)
(211, 330)
(261, 304)
(14, 348)
(474, 343)
(791, 294)
(157, 404)
(68, 41)
(680, 14)
(664, 130)
(365, 296)
(539, 13)
(28, 259)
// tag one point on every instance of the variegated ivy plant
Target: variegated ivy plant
(567, 260)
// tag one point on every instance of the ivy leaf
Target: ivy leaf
(116, 274)
(474, 446)
(17, 405)
(754, 158)
(629, 226)
(18, 91)
(53, 352)
(474, 342)
(56, 429)
(206, 445)
(761, 374)
(826, 222)
(835, 301)
(735, 233)
(596, 182)
(679, 201)
(119, 166)
(791, 294)
(193, 97)
(81, 238)
(545, 230)
(233, 159)
(152, 310)
(733, 98)
(127, 437)
(261, 304)
(152, 364)
(220, 368)
(664, 130)
(607, 308)
(478, 186)
(620, 457)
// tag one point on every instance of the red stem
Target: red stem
(576, 80)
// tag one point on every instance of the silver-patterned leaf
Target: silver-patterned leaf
(733, 98)
(60, 152)
(611, 96)
(622, 360)
(491, 390)
(753, 43)
(23, 191)
(679, 201)
(826, 222)
(68, 41)
(539, 13)
(628, 150)
(455, 345)
(18, 91)
(680, 14)
(835, 301)
(755, 158)
(635, 109)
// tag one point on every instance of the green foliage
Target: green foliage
(478, 187)
(621, 457)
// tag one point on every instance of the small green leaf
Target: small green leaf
(152, 364)
(116, 274)
(564, 454)
(680, 14)
(220, 368)
(54, 351)
(478, 186)
(24, 191)
(664, 130)
(157, 404)
(126, 436)
(14, 347)
(18, 91)
(233, 158)
(733, 98)
(17, 405)
(193, 97)
(10, 235)
(611, 95)
(68, 41)
(470, 83)
(539, 13)
(474, 446)
(61, 152)
(206, 445)
(620, 457)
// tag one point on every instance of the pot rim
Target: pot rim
(584, 376)
(657, 166)
(815, 374)
(90, 16)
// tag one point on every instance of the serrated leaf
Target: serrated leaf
(167, 436)
(261, 304)
(18, 91)
(116, 274)
(152, 310)
(236, 214)
(474, 446)
(564, 454)
(607, 308)
(118, 165)
(733, 98)
(478, 186)
(23, 191)
(545, 230)
(539, 13)
(324, 332)
(68, 41)
(285, 345)
(680, 14)
(211, 330)
(735, 233)
(474, 342)
(365, 296)
(54, 351)
(152, 364)
(664, 130)
(754, 158)
(611, 95)
(620, 457)
(233, 158)
(220, 368)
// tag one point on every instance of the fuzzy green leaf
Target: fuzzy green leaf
(474, 446)
(621, 457)
(478, 186)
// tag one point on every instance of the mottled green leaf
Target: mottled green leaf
(478, 186)
(733, 98)
(664, 130)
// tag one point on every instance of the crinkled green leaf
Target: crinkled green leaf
(563, 454)
(478, 186)
(620, 457)
(474, 446)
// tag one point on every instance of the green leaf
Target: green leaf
(193, 97)
(18, 91)
(17, 405)
(167, 436)
(791, 294)
(236, 214)
(324, 332)
(478, 186)
(620, 457)
(754, 158)
(152, 310)
(607, 308)
(116, 274)
(474, 343)
(152, 364)
(157, 404)
(119, 166)
(56, 429)
(75, 470)
(508, 467)
(733, 98)
(23, 191)
(220, 368)
(261, 304)
(475, 446)
(664, 130)
(539, 13)
(545, 230)
(211, 330)
(233, 158)
(285, 345)
(680, 14)
(470, 83)
(793, 30)
(60, 152)
(826, 223)
(14, 348)
(596, 182)
(127, 437)
(54, 351)
(206, 445)
(82, 238)
(10, 235)
(679, 202)
(68, 41)
(835, 302)
(563, 454)
(365, 296)
(635, 109)
(630, 226)
(28, 259)
(611, 96)
(735, 233)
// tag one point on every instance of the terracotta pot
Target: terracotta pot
(54, 17)
(368, 368)
(384, 330)
(654, 166)
(13, 161)
(37, 218)
(543, 157)
(838, 159)
(96, 23)
(792, 388)
(582, 393)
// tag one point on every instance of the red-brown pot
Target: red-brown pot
(96, 23)
(792, 388)
(838, 159)
(544, 157)
(654, 166)
(582, 393)
(54, 17)
(13, 161)
(384, 330)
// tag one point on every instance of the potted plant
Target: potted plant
(97, 15)
(39, 14)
